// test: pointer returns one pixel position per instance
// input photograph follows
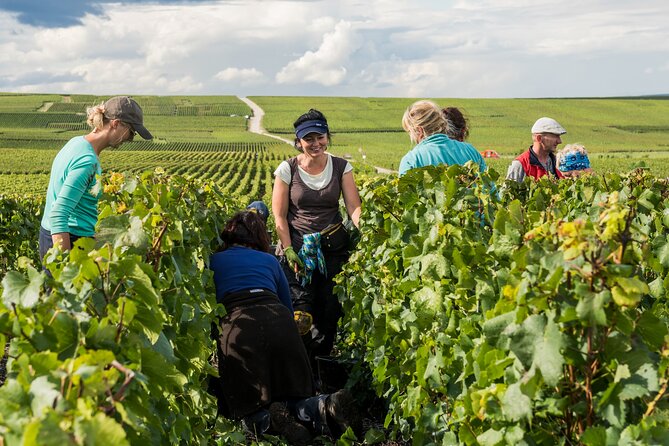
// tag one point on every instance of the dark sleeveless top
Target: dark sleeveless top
(312, 210)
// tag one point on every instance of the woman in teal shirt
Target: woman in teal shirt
(71, 209)
(427, 127)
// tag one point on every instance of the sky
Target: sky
(367, 48)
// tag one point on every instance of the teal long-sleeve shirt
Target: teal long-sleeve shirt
(74, 190)
(440, 149)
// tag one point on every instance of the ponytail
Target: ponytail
(96, 117)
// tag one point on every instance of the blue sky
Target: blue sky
(457, 48)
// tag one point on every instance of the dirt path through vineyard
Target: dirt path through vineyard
(255, 126)
(255, 121)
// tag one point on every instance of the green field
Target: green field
(199, 135)
(203, 136)
(617, 128)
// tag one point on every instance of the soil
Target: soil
(45, 107)
(255, 121)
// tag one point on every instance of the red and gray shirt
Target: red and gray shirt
(528, 164)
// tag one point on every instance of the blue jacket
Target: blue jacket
(440, 149)
(239, 269)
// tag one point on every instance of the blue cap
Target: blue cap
(313, 126)
(259, 208)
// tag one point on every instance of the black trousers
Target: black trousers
(318, 299)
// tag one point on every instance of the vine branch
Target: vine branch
(129, 376)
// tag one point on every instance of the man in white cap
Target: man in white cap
(539, 159)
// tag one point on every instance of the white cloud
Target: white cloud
(246, 76)
(448, 78)
(326, 65)
(478, 48)
(184, 84)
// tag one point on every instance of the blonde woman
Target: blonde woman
(74, 186)
(427, 127)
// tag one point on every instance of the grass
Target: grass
(628, 127)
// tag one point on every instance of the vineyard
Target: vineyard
(11, 143)
(365, 130)
(39, 120)
(622, 128)
(113, 345)
(204, 137)
(536, 318)
(240, 172)
(476, 312)
(532, 315)
(154, 105)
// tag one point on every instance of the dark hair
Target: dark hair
(246, 228)
(311, 115)
(456, 127)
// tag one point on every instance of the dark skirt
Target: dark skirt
(262, 358)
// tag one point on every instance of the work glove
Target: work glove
(303, 321)
(293, 258)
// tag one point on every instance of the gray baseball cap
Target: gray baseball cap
(127, 110)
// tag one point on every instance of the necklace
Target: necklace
(312, 168)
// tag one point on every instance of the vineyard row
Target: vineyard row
(241, 177)
(164, 109)
(142, 145)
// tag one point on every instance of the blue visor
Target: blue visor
(314, 126)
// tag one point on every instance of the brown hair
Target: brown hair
(246, 228)
(456, 124)
(311, 115)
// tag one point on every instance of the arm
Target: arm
(74, 187)
(61, 239)
(515, 172)
(482, 165)
(280, 197)
(280, 211)
(351, 197)
(406, 164)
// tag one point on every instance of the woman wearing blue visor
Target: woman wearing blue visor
(313, 242)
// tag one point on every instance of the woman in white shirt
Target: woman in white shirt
(313, 242)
